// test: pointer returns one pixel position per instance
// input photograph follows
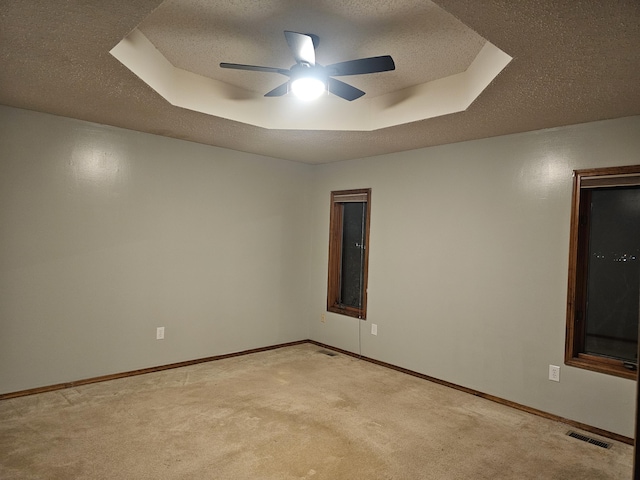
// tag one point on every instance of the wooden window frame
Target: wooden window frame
(335, 254)
(583, 182)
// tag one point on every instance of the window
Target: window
(604, 271)
(348, 252)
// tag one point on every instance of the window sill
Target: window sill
(348, 311)
(601, 365)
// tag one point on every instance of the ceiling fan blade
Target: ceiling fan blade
(344, 90)
(364, 65)
(255, 68)
(301, 46)
(278, 91)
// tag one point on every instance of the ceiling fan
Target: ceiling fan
(311, 77)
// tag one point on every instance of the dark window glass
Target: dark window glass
(613, 273)
(353, 246)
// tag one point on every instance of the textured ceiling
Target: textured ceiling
(574, 61)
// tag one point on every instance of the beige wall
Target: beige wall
(468, 265)
(108, 233)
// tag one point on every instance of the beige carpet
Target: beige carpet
(291, 413)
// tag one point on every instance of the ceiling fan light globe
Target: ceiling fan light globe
(308, 88)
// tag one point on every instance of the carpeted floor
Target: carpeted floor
(290, 413)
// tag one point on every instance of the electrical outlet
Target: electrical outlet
(554, 373)
(160, 333)
(323, 318)
(374, 329)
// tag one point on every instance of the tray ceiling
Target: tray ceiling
(573, 62)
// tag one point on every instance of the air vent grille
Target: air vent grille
(590, 440)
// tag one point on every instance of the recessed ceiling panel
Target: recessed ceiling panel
(206, 95)
(441, 65)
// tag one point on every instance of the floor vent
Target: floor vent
(328, 353)
(590, 440)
